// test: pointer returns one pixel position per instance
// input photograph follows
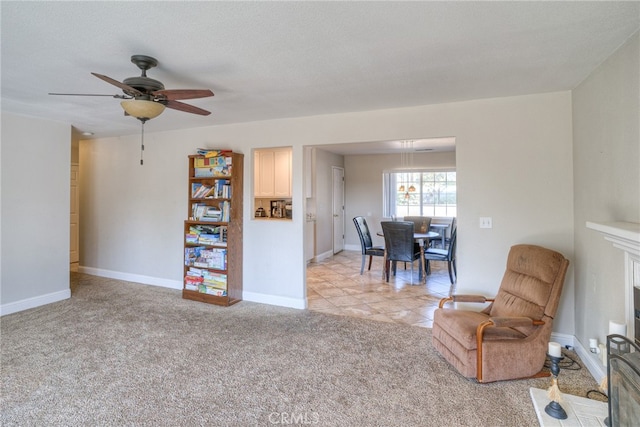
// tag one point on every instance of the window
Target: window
(419, 193)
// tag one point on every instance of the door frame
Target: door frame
(337, 208)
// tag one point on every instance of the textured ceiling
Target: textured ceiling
(267, 60)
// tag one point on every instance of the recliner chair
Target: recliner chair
(509, 338)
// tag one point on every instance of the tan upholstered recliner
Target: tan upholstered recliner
(509, 338)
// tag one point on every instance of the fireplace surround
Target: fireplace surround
(626, 236)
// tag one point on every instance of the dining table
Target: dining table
(423, 240)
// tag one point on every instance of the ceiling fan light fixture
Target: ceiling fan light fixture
(142, 109)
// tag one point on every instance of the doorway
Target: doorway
(74, 254)
(338, 208)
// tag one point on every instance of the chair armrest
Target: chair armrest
(464, 298)
(513, 322)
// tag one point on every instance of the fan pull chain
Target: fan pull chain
(142, 144)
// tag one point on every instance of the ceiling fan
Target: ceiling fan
(146, 98)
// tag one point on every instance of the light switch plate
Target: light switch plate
(486, 222)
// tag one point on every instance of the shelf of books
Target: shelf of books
(213, 232)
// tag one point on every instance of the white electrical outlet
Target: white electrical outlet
(485, 222)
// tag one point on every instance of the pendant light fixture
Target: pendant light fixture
(406, 163)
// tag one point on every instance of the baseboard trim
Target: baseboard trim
(323, 256)
(562, 339)
(175, 284)
(25, 304)
(299, 303)
(138, 278)
(592, 362)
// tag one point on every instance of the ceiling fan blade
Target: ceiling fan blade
(173, 94)
(87, 94)
(185, 107)
(128, 89)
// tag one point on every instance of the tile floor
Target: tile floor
(335, 286)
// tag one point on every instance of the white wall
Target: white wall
(606, 115)
(513, 162)
(36, 167)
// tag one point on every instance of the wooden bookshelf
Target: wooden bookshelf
(213, 230)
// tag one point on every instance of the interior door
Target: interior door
(74, 255)
(338, 209)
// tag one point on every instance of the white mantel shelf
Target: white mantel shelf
(623, 235)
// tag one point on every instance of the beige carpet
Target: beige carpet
(119, 353)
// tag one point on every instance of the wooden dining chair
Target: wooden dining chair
(399, 246)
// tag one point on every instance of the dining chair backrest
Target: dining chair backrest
(421, 224)
(452, 245)
(363, 232)
(450, 221)
(399, 241)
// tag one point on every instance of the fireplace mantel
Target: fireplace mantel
(623, 235)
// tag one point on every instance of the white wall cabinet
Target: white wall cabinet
(272, 173)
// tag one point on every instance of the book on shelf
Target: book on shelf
(191, 254)
(193, 280)
(211, 213)
(196, 272)
(204, 229)
(201, 257)
(225, 208)
(209, 162)
(202, 191)
(207, 276)
(195, 187)
(207, 235)
(216, 279)
(207, 167)
(209, 152)
(210, 290)
(221, 189)
(197, 210)
(208, 172)
(191, 286)
(208, 239)
(204, 212)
